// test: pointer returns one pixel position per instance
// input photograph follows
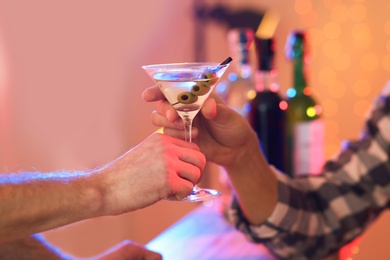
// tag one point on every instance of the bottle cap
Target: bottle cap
(240, 40)
(265, 51)
(295, 45)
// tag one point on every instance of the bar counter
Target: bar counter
(204, 234)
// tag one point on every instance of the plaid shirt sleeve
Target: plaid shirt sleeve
(315, 216)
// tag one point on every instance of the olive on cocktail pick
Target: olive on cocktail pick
(211, 78)
(186, 98)
(200, 89)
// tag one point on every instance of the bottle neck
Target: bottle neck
(265, 74)
(240, 40)
(299, 74)
(266, 80)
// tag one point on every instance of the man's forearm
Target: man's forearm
(34, 202)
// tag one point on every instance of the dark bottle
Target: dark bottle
(267, 114)
(305, 131)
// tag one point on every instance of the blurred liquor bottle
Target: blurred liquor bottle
(239, 88)
(305, 130)
(267, 114)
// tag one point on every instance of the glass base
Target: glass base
(199, 194)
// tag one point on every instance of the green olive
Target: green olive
(211, 78)
(187, 98)
(200, 89)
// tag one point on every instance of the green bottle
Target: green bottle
(305, 130)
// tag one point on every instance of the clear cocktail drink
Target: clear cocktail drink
(186, 86)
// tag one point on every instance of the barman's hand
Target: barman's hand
(221, 135)
(226, 139)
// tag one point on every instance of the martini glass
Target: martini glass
(186, 86)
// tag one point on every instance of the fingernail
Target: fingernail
(168, 115)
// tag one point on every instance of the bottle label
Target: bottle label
(308, 148)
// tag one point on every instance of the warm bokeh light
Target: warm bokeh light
(332, 146)
(303, 7)
(386, 62)
(338, 13)
(361, 107)
(355, 250)
(351, 40)
(307, 91)
(283, 105)
(361, 87)
(311, 112)
(369, 61)
(331, 107)
(363, 43)
(327, 76)
(309, 19)
(330, 4)
(318, 109)
(360, 32)
(342, 61)
(332, 30)
(251, 94)
(386, 27)
(311, 56)
(344, 43)
(388, 45)
(337, 89)
(274, 87)
(316, 37)
(332, 128)
(357, 12)
(331, 48)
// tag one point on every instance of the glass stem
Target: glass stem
(188, 129)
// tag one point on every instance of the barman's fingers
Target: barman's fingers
(153, 94)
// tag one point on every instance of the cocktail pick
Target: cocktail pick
(228, 60)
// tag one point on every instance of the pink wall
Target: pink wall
(71, 84)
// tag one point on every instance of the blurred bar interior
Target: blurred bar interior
(71, 84)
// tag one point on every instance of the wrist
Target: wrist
(92, 194)
(102, 191)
